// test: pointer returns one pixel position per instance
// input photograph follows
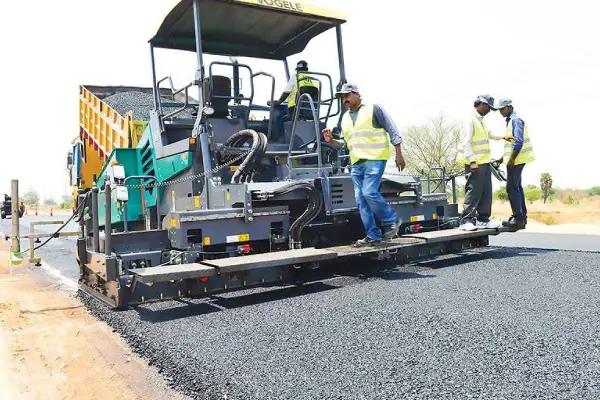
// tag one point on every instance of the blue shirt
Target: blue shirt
(382, 120)
(518, 126)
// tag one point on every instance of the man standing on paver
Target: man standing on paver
(477, 155)
(516, 155)
(368, 131)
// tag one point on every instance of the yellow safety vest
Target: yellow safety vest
(365, 142)
(526, 153)
(480, 142)
(305, 82)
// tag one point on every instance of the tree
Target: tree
(435, 144)
(50, 201)
(31, 197)
(546, 184)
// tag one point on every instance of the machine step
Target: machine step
(456, 234)
(275, 259)
(172, 272)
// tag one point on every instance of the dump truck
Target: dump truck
(199, 198)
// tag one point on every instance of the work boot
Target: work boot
(515, 223)
(366, 242)
(390, 231)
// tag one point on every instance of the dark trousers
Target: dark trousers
(478, 194)
(515, 192)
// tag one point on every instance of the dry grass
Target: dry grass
(584, 211)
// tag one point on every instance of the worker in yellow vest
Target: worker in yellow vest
(477, 156)
(291, 90)
(368, 131)
(516, 155)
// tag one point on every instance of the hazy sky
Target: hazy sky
(417, 59)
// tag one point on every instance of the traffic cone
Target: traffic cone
(51, 212)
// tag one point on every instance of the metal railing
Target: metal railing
(174, 92)
(291, 157)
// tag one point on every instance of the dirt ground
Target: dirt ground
(50, 348)
(586, 212)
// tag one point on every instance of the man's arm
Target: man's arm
(383, 120)
(288, 89)
(518, 133)
(468, 149)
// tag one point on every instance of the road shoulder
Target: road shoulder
(52, 348)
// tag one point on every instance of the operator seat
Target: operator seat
(305, 112)
(222, 122)
(221, 86)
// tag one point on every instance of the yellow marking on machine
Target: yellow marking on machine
(173, 223)
(434, 216)
(238, 238)
(207, 241)
(417, 218)
(197, 201)
(296, 7)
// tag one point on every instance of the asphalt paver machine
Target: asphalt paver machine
(211, 199)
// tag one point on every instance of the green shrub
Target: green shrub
(501, 194)
(533, 194)
(594, 191)
(66, 205)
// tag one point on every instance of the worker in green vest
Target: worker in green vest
(516, 154)
(368, 131)
(477, 157)
(299, 79)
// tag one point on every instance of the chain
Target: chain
(187, 178)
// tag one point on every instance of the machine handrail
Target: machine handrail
(442, 178)
(211, 85)
(317, 133)
(272, 98)
(330, 100)
(173, 93)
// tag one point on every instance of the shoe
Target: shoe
(390, 231)
(468, 226)
(366, 242)
(486, 225)
(515, 223)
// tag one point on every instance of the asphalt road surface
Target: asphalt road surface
(503, 323)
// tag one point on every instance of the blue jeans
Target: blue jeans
(366, 177)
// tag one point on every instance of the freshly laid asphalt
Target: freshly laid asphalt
(501, 323)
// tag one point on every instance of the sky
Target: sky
(417, 59)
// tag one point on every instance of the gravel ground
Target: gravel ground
(502, 324)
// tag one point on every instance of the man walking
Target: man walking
(518, 153)
(477, 207)
(367, 131)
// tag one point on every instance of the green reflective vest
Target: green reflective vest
(305, 82)
(526, 153)
(364, 141)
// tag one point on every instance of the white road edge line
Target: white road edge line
(71, 283)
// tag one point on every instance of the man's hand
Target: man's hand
(474, 167)
(510, 138)
(327, 135)
(499, 161)
(511, 162)
(400, 163)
